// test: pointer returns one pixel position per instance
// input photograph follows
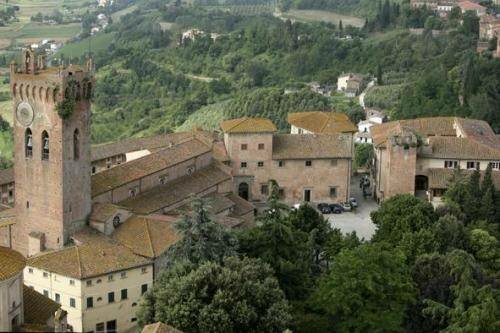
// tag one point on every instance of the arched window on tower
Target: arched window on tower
(45, 146)
(76, 144)
(28, 142)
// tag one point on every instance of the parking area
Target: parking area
(359, 219)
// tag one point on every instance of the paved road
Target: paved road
(363, 94)
(358, 220)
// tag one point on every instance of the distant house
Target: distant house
(317, 88)
(363, 135)
(351, 84)
(467, 6)
(445, 8)
(431, 4)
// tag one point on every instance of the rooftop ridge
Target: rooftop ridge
(148, 236)
(79, 262)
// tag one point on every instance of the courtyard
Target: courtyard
(359, 219)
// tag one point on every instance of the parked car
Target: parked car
(353, 202)
(346, 206)
(324, 208)
(336, 208)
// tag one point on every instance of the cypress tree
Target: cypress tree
(472, 206)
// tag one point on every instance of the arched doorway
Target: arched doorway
(421, 186)
(243, 190)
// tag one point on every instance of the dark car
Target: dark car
(336, 208)
(324, 208)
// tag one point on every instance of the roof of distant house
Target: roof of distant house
(248, 125)
(468, 5)
(460, 148)
(322, 122)
(105, 150)
(101, 212)
(176, 190)
(148, 236)
(311, 146)
(441, 178)
(96, 255)
(159, 327)
(6, 176)
(38, 309)
(147, 165)
(11, 263)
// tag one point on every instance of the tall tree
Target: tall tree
(368, 289)
(203, 239)
(399, 215)
(239, 295)
(472, 206)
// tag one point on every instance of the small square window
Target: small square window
(163, 179)
(71, 282)
(46, 293)
(58, 298)
(89, 283)
(98, 281)
(144, 270)
(133, 320)
(72, 302)
(244, 146)
(90, 302)
(30, 270)
(333, 192)
(260, 164)
(308, 163)
(144, 288)
(281, 193)
(110, 277)
(111, 297)
(261, 146)
(334, 163)
(264, 189)
(281, 164)
(124, 294)
(123, 275)
(45, 274)
(243, 164)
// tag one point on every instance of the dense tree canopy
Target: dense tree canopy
(240, 295)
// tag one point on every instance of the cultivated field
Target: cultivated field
(321, 15)
(25, 31)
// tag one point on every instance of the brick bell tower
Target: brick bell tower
(52, 151)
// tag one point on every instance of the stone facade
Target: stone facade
(301, 179)
(52, 154)
(419, 156)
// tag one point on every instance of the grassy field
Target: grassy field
(321, 15)
(116, 16)
(25, 31)
(99, 42)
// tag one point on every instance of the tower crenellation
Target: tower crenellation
(52, 151)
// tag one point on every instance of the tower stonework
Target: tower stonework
(52, 152)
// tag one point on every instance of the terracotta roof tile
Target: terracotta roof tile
(440, 178)
(322, 122)
(443, 126)
(241, 206)
(462, 148)
(176, 191)
(95, 255)
(248, 125)
(308, 146)
(105, 150)
(38, 309)
(101, 212)
(128, 172)
(147, 236)
(159, 328)
(11, 263)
